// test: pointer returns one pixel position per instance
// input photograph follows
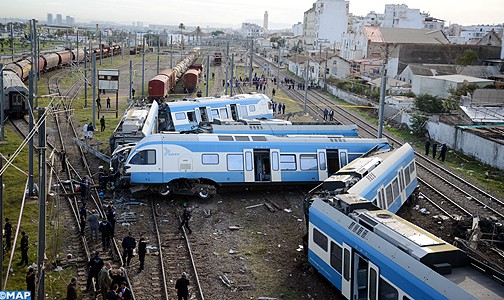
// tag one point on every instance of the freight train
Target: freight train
(196, 164)
(15, 91)
(163, 83)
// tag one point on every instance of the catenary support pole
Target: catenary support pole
(158, 49)
(251, 60)
(306, 84)
(131, 79)
(232, 75)
(383, 90)
(1, 225)
(2, 103)
(30, 128)
(42, 205)
(227, 67)
(85, 78)
(93, 83)
(207, 74)
(171, 52)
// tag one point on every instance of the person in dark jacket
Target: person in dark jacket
(186, 216)
(182, 287)
(111, 218)
(94, 265)
(7, 233)
(142, 251)
(125, 292)
(30, 281)
(112, 293)
(434, 150)
(128, 244)
(24, 249)
(427, 147)
(442, 155)
(72, 289)
(106, 232)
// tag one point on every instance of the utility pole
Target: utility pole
(131, 79)
(227, 66)
(101, 53)
(30, 141)
(251, 60)
(35, 59)
(85, 78)
(2, 129)
(232, 74)
(278, 64)
(325, 69)
(171, 52)
(12, 40)
(1, 223)
(207, 74)
(77, 46)
(93, 82)
(306, 84)
(143, 67)
(158, 54)
(383, 91)
(42, 204)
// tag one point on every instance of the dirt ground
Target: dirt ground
(259, 251)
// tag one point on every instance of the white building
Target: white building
(309, 27)
(471, 34)
(331, 21)
(297, 29)
(251, 30)
(440, 85)
(400, 16)
(49, 18)
(59, 19)
(265, 21)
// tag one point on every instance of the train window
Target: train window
(308, 162)
(210, 159)
(224, 113)
(405, 298)
(226, 138)
(252, 108)
(287, 162)
(249, 161)
(180, 116)
(387, 291)
(372, 284)
(401, 180)
(242, 138)
(322, 161)
(343, 159)
(259, 138)
(412, 167)
(388, 195)
(407, 175)
(243, 111)
(215, 113)
(275, 161)
(346, 270)
(191, 116)
(395, 188)
(235, 162)
(320, 239)
(336, 257)
(145, 157)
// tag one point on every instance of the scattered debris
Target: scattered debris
(288, 210)
(252, 206)
(424, 211)
(300, 248)
(232, 251)
(207, 213)
(269, 207)
(236, 227)
(226, 281)
(274, 204)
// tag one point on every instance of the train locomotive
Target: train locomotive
(196, 164)
(15, 94)
(367, 252)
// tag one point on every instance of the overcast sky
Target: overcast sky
(234, 12)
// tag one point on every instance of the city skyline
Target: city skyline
(282, 13)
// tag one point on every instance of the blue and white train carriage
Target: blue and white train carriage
(372, 254)
(197, 163)
(387, 178)
(185, 115)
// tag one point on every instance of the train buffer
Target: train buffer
(92, 150)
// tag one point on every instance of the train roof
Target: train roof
(11, 82)
(214, 100)
(381, 246)
(210, 137)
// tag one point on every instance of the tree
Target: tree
(429, 104)
(470, 57)
(217, 33)
(418, 123)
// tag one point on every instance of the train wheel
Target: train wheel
(165, 191)
(204, 193)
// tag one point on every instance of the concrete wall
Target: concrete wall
(348, 97)
(484, 150)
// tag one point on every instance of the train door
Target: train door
(373, 279)
(248, 154)
(343, 158)
(346, 280)
(322, 164)
(360, 276)
(262, 165)
(276, 174)
(234, 112)
(332, 159)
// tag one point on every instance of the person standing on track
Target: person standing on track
(182, 287)
(128, 244)
(104, 280)
(94, 224)
(186, 216)
(142, 251)
(72, 289)
(94, 266)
